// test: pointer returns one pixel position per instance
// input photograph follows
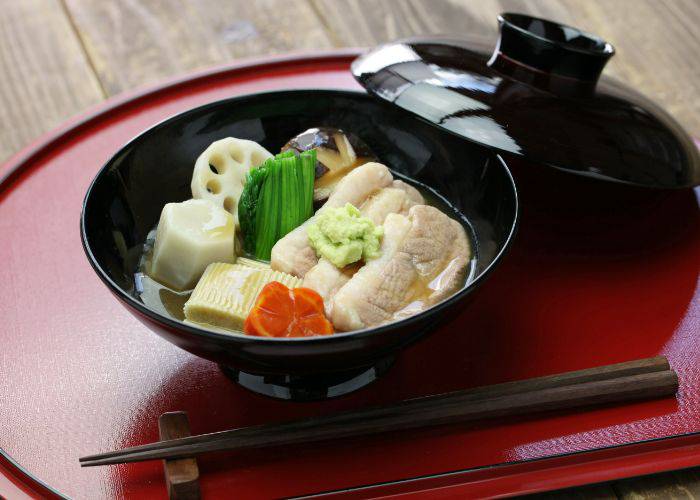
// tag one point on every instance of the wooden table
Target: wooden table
(59, 57)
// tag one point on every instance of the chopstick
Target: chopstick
(641, 379)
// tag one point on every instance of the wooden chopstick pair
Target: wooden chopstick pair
(634, 380)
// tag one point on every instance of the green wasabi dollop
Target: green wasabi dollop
(343, 236)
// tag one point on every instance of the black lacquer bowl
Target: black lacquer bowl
(125, 200)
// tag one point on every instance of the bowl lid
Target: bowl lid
(538, 95)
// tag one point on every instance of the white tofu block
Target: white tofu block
(190, 236)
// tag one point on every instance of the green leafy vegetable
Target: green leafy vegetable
(290, 153)
(248, 203)
(267, 225)
(277, 197)
(306, 181)
(292, 200)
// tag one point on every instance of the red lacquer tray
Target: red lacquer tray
(78, 374)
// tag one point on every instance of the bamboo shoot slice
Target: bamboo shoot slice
(227, 292)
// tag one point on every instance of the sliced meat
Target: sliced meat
(424, 259)
(412, 194)
(397, 199)
(327, 279)
(293, 254)
(358, 185)
(349, 308)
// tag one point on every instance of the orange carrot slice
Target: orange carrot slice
(281, 312)
(271, 313)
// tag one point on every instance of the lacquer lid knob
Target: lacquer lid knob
(538, 51)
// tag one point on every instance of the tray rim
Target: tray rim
(23, 480)
(12, 167)
(537, 475)
(561, 471)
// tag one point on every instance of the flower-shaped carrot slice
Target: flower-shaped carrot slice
(309, 315)
(271, 313)
(281, 312)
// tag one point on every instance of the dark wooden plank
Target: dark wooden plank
(688, 480)
(182, 475)
(591, 492)
(132, 43)
(45, 74)
(672, 485)
(681, 484)
(657, 41)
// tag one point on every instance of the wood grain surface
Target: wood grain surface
(657, 41)
(133, 43)
(181, 475)
(45, 74)
(676, 484)
(58, 57)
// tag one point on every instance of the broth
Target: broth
(169, 303)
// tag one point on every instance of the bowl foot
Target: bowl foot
(309, 387)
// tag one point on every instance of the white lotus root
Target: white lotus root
(219, 172)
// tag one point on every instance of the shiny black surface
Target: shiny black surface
(310, 387)
(536, 96)
(556, 49)
(125, 200)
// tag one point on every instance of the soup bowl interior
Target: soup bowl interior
(125, 200)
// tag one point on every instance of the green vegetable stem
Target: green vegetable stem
(277, 198)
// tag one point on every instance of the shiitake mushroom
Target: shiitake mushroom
(337, 153)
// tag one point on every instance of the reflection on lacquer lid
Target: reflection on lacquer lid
(536, 95)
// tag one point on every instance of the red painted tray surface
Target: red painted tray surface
(79, 374)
